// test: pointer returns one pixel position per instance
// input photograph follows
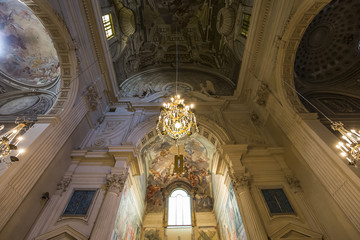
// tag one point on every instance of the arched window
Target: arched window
(179, 208)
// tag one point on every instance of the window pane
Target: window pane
(79, 203)
(186, 211)
(179, 211)
(172, 211)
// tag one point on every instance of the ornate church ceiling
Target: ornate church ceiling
(29, 65)
(207, 35)
(327, 65)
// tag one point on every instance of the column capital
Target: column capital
(115, 182)
(241, 181)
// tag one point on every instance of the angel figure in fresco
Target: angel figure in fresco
(208, 89)
(152, 190)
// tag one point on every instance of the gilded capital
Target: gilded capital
(115, 182)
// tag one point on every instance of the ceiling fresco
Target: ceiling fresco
(29, 64)
(327, 64)
(159, 156)
(203, 32)
(27, 54)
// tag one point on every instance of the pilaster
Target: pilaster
(105, 221)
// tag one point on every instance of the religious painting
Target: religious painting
(27, 53)
(128, 222)
(160, 155)
(229, 219)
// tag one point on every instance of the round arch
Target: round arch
(146, 131)
(284, 73)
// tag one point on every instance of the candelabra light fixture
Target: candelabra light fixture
(176, 119)
(9, 142)
(350, 148)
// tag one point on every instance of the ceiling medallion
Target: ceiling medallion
(351, 148)
(176, 119)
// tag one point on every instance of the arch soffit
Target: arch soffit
(145, 132)
(286, 57)
(62, 40)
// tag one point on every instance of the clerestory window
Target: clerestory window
(108, 26)
(179, 208)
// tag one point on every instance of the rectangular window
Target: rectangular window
(277, 201)
(245, 25)
(108, 26)
(79, 203)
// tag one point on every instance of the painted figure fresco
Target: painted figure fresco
(27, 54)
(161, 172)
(128, 222)
(230, 221)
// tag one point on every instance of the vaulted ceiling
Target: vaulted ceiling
(206, 34)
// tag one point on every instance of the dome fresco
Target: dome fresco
(27, 53)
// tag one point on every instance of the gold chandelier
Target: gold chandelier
(350, 149)
(176, 119)
(9, 142)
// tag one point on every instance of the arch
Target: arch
(284, 72)
(145, 131)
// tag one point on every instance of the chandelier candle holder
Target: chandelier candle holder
(176, 119)
(9, 142)
(350, 149)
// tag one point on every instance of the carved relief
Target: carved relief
(92, 97)
(240, 181)
(63, 184)
(262, 94)
(115, 182)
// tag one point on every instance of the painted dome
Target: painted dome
(27, 53)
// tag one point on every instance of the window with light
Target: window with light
(108, 26)
(179, 208)
(245, 25)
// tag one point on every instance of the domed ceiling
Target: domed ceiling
(210, 45)
(29, 65)
(327, 64)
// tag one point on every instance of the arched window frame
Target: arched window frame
(167, 193)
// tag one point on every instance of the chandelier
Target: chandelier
(9, 142)
(176, 119)
(350, 149)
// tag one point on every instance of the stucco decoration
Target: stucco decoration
(147, 83)
(26, 104)
(27, 53)
(160, 158)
